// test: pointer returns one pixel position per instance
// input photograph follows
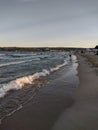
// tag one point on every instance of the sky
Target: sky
(49, 23)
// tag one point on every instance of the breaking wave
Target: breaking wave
(19, 83)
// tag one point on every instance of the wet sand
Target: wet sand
(83, 114)
(56, 108)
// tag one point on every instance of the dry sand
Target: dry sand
(92, 58)
(77, 112)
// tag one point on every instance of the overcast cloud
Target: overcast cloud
(48, 22)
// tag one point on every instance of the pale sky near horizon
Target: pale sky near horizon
(29, 23)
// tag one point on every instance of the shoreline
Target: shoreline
(83, 115)
(50, 101)
(77, 111)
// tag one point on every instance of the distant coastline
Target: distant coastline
(43, 49)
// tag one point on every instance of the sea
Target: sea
(22, 74)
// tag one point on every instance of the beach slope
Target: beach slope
(83, 115)
(79, 111)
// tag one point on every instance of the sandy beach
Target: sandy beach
(60, 110)
(83, 115)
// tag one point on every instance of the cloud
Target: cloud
(26, 1)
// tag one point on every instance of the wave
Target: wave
(13, 63)
(16, 62)
(58, 66)
(21, 82)
(21, 55)
(26, 80)
(2, 54)
(17, 56)
(21, 58)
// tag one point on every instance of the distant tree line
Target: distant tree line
(96, 47)
(40, 49)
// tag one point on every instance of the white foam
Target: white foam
(7, 87)
(23, 55)
(13, 63)
(2, 54)
(58, 66)
(23, 81)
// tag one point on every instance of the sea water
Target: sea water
(21, 69)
